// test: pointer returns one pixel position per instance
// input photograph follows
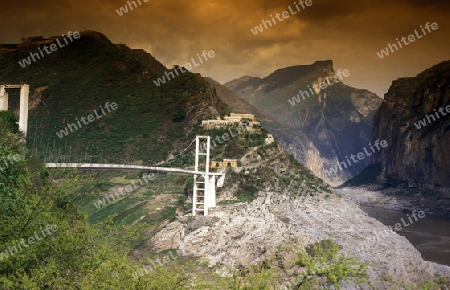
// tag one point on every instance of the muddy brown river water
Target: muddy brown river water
(430, 234)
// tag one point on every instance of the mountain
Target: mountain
(150, 122)
(238, 105)
(234, 102)
(412, 119)
(319, 125)
(275, 223)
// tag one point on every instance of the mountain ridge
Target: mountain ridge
(408, 101)
(325, 122)
(413, 165)
(75, 80)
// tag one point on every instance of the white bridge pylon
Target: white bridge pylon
(204, 196)
(23, 111)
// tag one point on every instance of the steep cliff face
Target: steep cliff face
(320, 129)
(290, 139)
(414, 121)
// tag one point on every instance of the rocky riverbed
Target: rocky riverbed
(247, 233)
(399, 199)
(362, 196)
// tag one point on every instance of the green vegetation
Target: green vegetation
(324, 265)
(73, 255)
(179, 115)
(415, 192)
(101, 248)
(436, 284)
(332, 112)
(293, 178)
(321, 267)
(95, 248)
(9, 121)
(225, 202)
(149, 123)
(79, 253)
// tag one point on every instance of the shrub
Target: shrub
(179, 115)
(326, 267)
(9, 121)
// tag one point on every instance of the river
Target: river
(430, 234)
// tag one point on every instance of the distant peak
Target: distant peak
(93, 34)
(324, 62)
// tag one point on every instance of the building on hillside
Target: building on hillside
(269, 139)
(224, 163)
(239, 117)
(215, 124)
(246, 120)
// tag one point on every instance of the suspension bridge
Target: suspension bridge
(205, 182)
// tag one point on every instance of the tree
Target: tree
(325, 266)
(8, 122)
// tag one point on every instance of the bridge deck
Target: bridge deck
(96, 166)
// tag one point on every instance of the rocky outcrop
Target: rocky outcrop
(319, 130)
(291, 140)
(236, 104)
(292, 206)
(245, 234)
(417, 155)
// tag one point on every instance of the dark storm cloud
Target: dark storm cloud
(350, 32)
(430, 3)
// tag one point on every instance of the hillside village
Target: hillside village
(275, 223)
(241, 122)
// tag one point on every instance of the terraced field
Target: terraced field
(149, 206)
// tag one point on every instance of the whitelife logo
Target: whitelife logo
(284, 14)
(122, 10)
(12, 159)
(315, 87)
(53, 47)
(379, 235)
(411, 38)
(188, 66)
(107, 199)
(334, 170)
(31, 241)
(423, 122)
(91, 118)
(149, 268)
(225, 137)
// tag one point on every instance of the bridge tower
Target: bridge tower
(23, 112)
(204, 195)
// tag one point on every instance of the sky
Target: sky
(349, 32)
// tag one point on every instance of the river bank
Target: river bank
(430, 235)
(245, 234)
(406, 200)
